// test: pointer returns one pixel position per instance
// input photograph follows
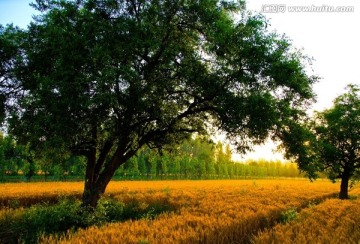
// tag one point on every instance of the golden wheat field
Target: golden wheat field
(334, 221)
(207, 211)
(223, 211)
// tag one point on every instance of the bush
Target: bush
(108, 210)
(289, 215)
(29, 224)
(47, 218)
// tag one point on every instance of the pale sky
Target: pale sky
(331, 38)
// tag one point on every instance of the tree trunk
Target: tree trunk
(91, 196)
(95, 188)
(344, 187)
(98, 176)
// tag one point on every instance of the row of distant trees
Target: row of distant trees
(197, 158)
(20, 160)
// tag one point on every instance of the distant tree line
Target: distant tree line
(19, 160)
(200, 158)
(197, 158)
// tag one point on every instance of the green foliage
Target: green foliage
(200, 158)
(289, 215)
(27, 225)
(39, 219)
(108, 210)
(337, 131)
(13, 157)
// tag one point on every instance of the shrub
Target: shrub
(289, 215)
(42, 219)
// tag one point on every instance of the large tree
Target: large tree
(104, 78)
(330, 142)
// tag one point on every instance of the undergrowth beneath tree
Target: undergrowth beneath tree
(27, 225)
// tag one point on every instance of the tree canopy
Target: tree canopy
(104, 78)
(330, 142)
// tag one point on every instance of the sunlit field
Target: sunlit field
(334, 221)
(222, 211)
(26, 194)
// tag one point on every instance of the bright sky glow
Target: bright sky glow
(331, 38)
